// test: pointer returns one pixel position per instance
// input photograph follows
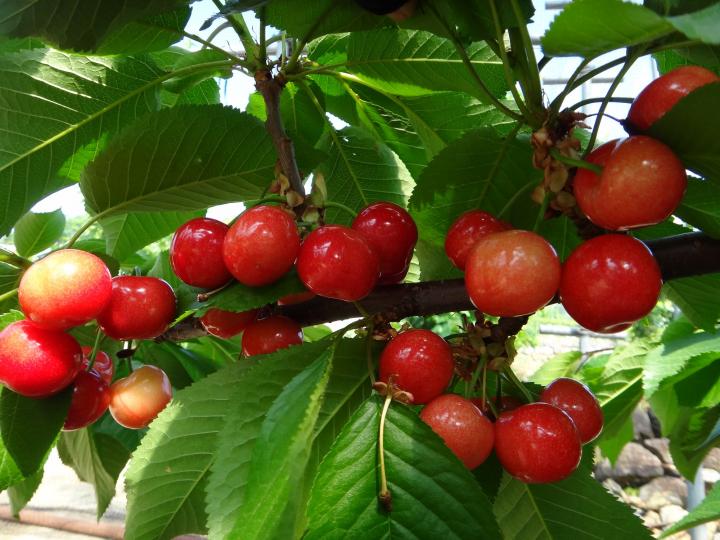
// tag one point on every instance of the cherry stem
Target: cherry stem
(333, 204)
(265, 199)
(384, 496)
(483, 394)
(581, 163)
(542, 211)
(369, 352)
(13, 259)
(96, 346)
(361, 309)
(590, 101)
(205, 296)
(510, 374)
(8, 295)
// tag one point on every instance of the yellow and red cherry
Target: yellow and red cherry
(137, 399)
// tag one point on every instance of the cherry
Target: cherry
(226, 324)
(579, 403)
(392, 233)
(420, 362)
(466, 231)
(642, 183)
(37, 362)
(269, 335)
(663, 93)
(261, 246)
(537, 443)
(296, 298)
(136, 400)
(512, 273)
(464, 428)
(90, 400)
(338, 262)
(502, 404)
(196, 253)
(65, 289)
(609, 282)
(140, 308)
(103, 364)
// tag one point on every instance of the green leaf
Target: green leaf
(701, 25)
(187, 158)
(700, 206)
(29, 426)
(701, 55)
(562, 365)
(63, 109)
(148, 34)
(577, 507)
(303, 122)
(707, 510)
(9, 472)
(591, 27)
(698, 298)
(75, 24)
(434, 495)
(185, 294)
(21, 493)
(210, 57)
(412, 63)
(35, 232)
(318, 17)
(9, 280)
(97, 459)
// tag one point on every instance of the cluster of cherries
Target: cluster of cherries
(38, 358)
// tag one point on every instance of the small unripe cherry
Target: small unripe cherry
(90, 400)
(136, 400)
(226, 324)
(103, 364)
(464, 428)
(420, 362)
(466, 231)
(196, 253)
(269, 335)
(579, 403)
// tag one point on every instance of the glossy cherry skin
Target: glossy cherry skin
(196, 253)
(466, 231)
(67, 288)
(392, 233)
(136, 400)
(338, 262)
(420, 363)
(537, 443)
(261, 246)
(269, 335)
(663, 93)
(90, 400)
(641, 184)
(140, 308)
(609, 282)
(226, 324)
(512, 273)
(297, 298)
(465, 430)
(103, 364)
(37, 362)
(579, 403)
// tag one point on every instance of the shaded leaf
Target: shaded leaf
(698, 298)
(34, 233)
(561, 365)
(700, 206)
(701, 25)
(21, 493)
(151, 33)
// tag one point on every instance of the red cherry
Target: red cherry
(420, 362)
(466, 231)
(392, 233)
(465, 430)
(65, 289)
(196, 253)
(609, 282)
(103, 364)
(226, 324)
(136, 400)
(512, 273)
(337, 262)
(140, 308)
(579, 403)
(537, 443)
(297, 298)
(37, 362)
(663, 93)
(90, 400)
(641, 184)
(269, 335)
(261, 246)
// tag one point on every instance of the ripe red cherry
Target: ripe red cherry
(337, 262)
(269, 335)
(465, 430)
(226, 324)
(663, 93)
(537, 443)
(140, 308)
(90, 400)
(103, 364)
(65, 289)
(296, 298)
(37, 362)
(196, 253)
(261, 246)
(420, 362)
(392, 233)
(466, 231)
(136, 400)
(642, 183)
(512, 273)
(578, 401)
(609, 282)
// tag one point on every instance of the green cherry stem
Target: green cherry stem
(369, 352)
(8, 295)
(384, 496)
(510, 374)
(96, 346)
(581, 163)
(340, 206)
(542, 211)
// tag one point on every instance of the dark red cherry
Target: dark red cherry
(196, 253)
(578, 401)
(466, 231)
(90, 400)
(226, 324)
(269, 335)
(296, 298)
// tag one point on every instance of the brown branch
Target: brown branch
(679, 256)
